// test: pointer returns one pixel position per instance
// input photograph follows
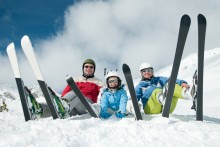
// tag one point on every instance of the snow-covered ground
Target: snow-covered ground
(180, 129)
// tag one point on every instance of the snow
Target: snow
(180, 129)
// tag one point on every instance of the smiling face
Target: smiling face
(147, 73)
(88, 69)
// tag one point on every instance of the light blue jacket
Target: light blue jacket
(115, 101)
(145, 87)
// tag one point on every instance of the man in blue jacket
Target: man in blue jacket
(149, 90)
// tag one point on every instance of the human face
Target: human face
(88, 69)
(147, 73)
(113, 82)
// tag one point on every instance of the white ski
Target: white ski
(29, 52)
(21, 88)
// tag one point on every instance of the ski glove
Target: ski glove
(105, 115)
(120, 115)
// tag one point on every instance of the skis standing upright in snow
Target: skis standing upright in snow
(201, 48)
(29, 52)
(21, 88)
(183, 32)
(128, 78)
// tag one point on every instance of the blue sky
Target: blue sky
(37, 18)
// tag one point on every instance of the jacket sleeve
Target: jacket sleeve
(104, 103)
(123, 101)
(138, 91)
(179, 82)
(163, 81)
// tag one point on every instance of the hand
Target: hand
(120, 115)
(185, 85)
(105, 115)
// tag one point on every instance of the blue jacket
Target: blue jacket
(145, 87)
(116, 101)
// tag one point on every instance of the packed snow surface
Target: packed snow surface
(180, 129)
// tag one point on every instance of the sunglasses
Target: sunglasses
(113, 81)
(91, 67)
(148, 70)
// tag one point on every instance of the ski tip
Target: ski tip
(68, 77)
(201, 19)
(125, 66)
(26, 44)
(10, 47)
(186, 20)
(25, 38)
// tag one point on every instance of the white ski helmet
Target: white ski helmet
(145, 65)
(113, 74)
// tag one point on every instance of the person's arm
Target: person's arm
(182, 83)
(122, 105)
(123, 101)
(104, 106)
(185, 85)
(138, 91)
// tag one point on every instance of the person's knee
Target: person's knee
(69, 96)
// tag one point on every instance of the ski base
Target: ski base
(183, 32)
(201, 48)
(23, 98)
(128, 78)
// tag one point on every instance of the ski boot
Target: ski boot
(194, 91)
(62, 105)
(34, 106)
(190, 93)
(161, 96)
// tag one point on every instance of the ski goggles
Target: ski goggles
(113, 81)
(148, 70)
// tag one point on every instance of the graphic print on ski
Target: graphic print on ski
(201, 48)
(183, 32)
(29, 52)
(79, 94)
(21, 88)
(129, 80)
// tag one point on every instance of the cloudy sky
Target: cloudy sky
(110, 32)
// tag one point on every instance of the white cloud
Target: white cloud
(126, 31)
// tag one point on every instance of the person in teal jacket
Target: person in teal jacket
(150, 90)
(114, 97)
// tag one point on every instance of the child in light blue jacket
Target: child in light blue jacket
(114, 97)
